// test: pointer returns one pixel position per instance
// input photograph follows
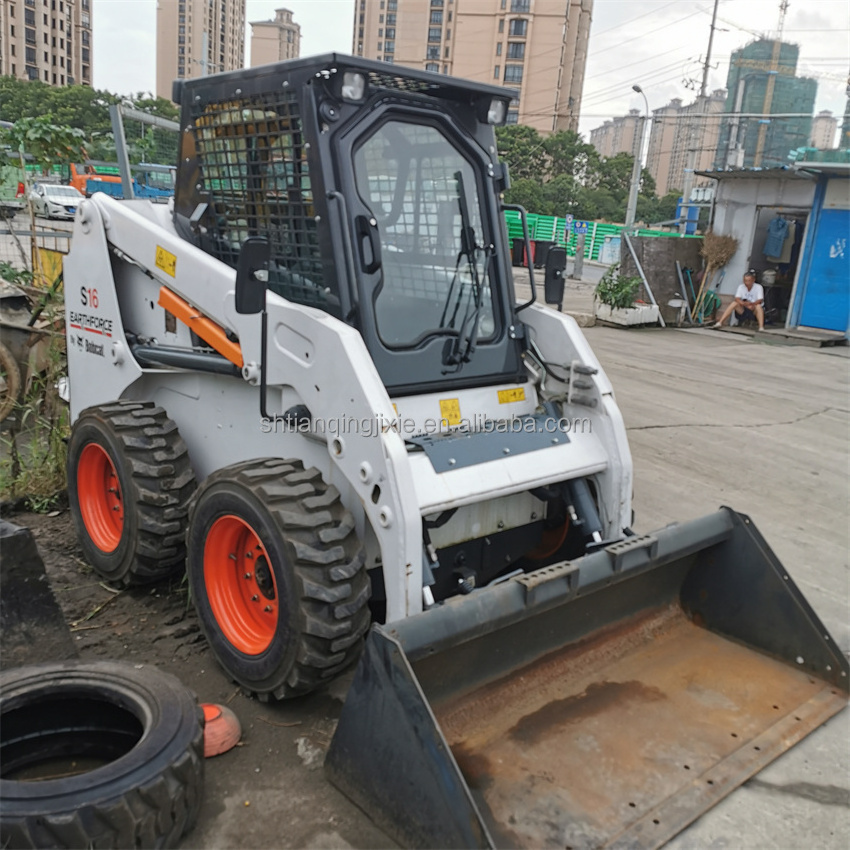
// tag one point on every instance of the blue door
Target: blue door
(827, 293)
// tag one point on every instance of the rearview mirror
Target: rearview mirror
(553, 282)
(252, 275)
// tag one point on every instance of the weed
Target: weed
(32, 466)
(14, 276)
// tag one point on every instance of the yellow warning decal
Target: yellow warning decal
(450, 411)
(507, 396)
(166, 261)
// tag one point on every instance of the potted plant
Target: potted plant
(614, 300)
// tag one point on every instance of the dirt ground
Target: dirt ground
(277, 766)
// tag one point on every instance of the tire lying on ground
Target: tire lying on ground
(99, 755)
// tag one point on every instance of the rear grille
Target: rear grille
(254, 175)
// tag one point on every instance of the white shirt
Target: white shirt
(751, 295)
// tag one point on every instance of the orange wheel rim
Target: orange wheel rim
(240, 585)
(99, 494)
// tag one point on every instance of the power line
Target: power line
(615, 90)
(632, 20)
(649, 32)
(637, 62)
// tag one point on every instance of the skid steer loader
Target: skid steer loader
(308, 379)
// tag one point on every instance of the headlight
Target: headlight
(353, 86)
(496, 112)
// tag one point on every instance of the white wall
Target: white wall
(738, 201)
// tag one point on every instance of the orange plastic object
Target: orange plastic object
(205, 328)
(221, 729)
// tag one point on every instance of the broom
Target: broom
(717, 251)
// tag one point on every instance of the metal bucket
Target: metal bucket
(604, 702)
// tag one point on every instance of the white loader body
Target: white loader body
(122, 252)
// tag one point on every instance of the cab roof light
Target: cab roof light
(497, 111)
(353, 86)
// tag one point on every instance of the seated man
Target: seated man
(748, 303)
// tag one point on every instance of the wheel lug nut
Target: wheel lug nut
(255, 598)
(248, 575)
(268, 609)
(249, 554)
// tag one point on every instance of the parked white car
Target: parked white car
(55, 201)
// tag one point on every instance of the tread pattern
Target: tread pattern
(155, 815)
(154, 792)
(328, 561)
(158, 461)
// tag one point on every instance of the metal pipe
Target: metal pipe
(115, 117)
(198, 361)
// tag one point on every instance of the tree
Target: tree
(47, 143)
(600, 205)
(615, 175)
(561, 196)
(523, 149)
(569, 155)
(527, 193)
(561, 174)
(656, 210)
(77, 106)
(145, 102)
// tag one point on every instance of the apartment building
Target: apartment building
(677, 130)
(47, 40)
(618, 135)
(824, 125)
(275, 40)
(197, 37)
(538, 47)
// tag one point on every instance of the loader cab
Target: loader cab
(378, 189)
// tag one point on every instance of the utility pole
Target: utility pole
(631, 206)
(771, 84)
(692, 136)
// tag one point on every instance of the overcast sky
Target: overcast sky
(658, 44)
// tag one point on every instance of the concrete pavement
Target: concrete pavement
(715, 420)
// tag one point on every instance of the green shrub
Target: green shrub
(617, 290)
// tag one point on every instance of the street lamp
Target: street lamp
(633, 189)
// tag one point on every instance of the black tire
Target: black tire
(154, 485)
(142, 728)
(10, 382)
(306, 543)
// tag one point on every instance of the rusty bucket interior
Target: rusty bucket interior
(605, 714)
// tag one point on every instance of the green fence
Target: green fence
(551, 228)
